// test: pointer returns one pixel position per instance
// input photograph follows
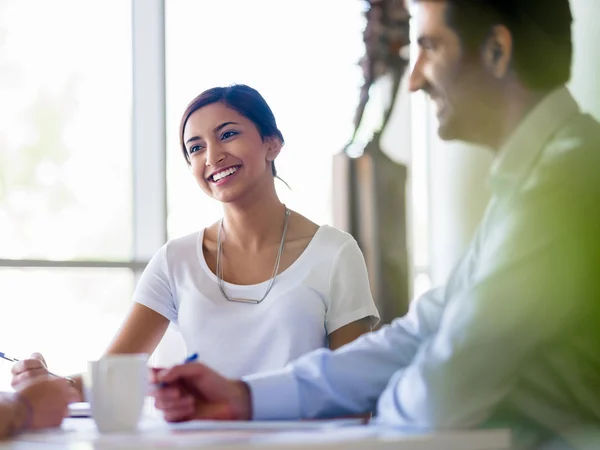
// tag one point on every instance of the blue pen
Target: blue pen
(193, 357)
(8, 358)
(69, 379)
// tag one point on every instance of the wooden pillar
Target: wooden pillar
(370, 203)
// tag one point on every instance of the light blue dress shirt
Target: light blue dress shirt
(513, 339)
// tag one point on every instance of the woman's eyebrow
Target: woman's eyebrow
(215, 129)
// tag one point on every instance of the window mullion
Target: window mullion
(148, 128)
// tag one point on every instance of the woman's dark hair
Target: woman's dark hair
(540, 29)
(241, 98)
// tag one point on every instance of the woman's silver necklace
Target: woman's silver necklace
(275, 269)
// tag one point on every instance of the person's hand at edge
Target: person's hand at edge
(41, 403)
(194, 392)
(28, 369)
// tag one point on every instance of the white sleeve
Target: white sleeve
(154, 289)
(350, 296)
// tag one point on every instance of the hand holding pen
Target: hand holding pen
(27, 369)
(155, 371)
(194, 391)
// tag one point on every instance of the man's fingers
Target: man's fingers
(168, 392)
(190, 370)
(27, 364)
(179, 414)
(26, 377)
(216, 412)
(176, 409)
(70, 394)
(154, 371)
(183, 404)
(65, 413)
(166, 403)
(34, 373)
(39, 357)
(73, 395)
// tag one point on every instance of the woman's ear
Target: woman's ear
(274, 146)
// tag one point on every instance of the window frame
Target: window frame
(148, 143)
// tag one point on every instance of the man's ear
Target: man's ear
(498, 50)
(274, 146)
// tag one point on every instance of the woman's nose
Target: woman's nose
(214, 155)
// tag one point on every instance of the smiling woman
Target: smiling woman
(263, 285)
(308, 283)
(239, 126)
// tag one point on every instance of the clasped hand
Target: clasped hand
(194, 392)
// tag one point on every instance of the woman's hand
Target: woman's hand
(28, 369)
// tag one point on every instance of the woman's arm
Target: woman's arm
(142, 329)
(141, 332)
(351, 311)
(348, 333)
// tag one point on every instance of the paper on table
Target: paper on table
(80, 409)
(265, 425)
(319, 436)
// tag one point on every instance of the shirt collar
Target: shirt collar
(515, 158)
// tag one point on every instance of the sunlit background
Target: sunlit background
(66, 173)
(85, 180)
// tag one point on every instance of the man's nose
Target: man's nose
(417, 79)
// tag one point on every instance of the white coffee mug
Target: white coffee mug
(116, 387)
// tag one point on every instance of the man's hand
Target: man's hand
(43, 402)
(28, 369)
(194, 392)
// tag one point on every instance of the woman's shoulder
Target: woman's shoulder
(322, 235)
(330, 242)
(180, 247)
(335, 237)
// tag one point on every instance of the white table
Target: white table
(81, 434)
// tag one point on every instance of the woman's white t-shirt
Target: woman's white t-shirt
(326, 288)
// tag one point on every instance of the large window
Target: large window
(89, 114)
(65, 171)
(303, 58)
(65, 178)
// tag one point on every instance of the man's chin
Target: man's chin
(447, 133)
(450, 128)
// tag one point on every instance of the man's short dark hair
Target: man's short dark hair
(540, 29)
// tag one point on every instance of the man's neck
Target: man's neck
(517, 105)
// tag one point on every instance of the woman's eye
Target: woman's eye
(194, 149)
(228, 134)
